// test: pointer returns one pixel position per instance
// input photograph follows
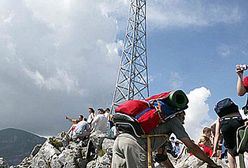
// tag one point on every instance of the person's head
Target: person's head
(181, 116)
(177, 143)
(172, 138)
(207, 131)
(101, 111)
(107, 110)
(91, 110)
(205, 141)
(81, 117)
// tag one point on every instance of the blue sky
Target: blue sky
(203, 55)
(60, 57)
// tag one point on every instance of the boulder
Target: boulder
(3, 163)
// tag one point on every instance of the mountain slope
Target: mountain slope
(16, 144)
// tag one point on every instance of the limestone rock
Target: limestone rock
(35, 150)
(3, 163)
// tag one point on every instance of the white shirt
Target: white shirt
(81, 127)
(90, 117)
(100, 125)
(107, 115)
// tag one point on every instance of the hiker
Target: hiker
(242, 83)
(99, 130)
(206, 136)
(109, 117)
(107, 113)
(130, 151)
(228, 122)
(205, 141)
(91, 115)
(176, 148)
(81, 131)
(242, 88)
(74, 124)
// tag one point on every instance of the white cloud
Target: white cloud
(178, 13)
(197, 115)
(57, 57)
(60, 81)
(191, 13)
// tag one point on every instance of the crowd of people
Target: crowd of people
(217, 140)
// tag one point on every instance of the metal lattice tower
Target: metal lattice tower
(132, 80)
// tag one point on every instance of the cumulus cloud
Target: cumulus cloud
(191, 13)
(197, 115)
(179, 13)
(57, 57)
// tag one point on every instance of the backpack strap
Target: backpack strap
(245, 108)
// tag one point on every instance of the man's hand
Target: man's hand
(240, 68)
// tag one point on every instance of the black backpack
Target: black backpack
(225, 107)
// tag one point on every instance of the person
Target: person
(242, 88)
(81, 131)
(206, 137)
(99, 130)
(74, 122)
(91, 115)
(228, 124)
(205, 144)
(242, 83)
(130, 151)
(177, 148)
(107, 113)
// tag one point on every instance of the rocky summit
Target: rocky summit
(17, 144)
(55, 153)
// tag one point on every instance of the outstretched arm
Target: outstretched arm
(74, 121)
(195, 150)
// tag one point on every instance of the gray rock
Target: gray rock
(91, 164)
(36, 150)
(105, 160)
(67, 158)
(55, 162)
(3, 163)
(43, 158)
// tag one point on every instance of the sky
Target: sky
(59, 57)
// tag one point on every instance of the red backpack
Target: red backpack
(149, 113)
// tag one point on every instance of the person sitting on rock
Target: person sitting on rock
(81, 131)
(74, 124)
